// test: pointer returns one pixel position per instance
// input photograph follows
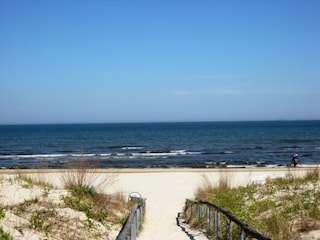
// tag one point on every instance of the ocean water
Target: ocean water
(155, 145)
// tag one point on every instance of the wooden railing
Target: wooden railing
(133, 223)
(218, 222)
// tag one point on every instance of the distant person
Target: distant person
(295, 160)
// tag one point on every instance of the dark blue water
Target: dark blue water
(169, 145)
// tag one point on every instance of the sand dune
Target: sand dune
(165, 191)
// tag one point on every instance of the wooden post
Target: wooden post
(243, 235)
(217, 225)
(201, 212)
(209, 220)
(228, 229)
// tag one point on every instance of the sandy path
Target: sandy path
(167, 190)
(164, 201)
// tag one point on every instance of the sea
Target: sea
(244, 144)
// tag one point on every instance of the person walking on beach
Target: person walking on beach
(295, 160)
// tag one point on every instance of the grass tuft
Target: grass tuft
(86, 174)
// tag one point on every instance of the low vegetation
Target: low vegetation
(282, 209)
(79, 211)
(86, 174)
(3, 235)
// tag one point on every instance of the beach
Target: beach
(165, 190)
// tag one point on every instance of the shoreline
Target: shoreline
(160, 170)
(275, 166)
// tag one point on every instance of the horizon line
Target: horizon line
(156, 122)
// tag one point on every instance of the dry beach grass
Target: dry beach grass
(70, 205)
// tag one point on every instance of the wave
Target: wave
(290, 149)
(165, 153)
(123, 147)
(21, 156)
(103, 155)
(253, 148)
(226, 152)
(296, 140)
(132, 148)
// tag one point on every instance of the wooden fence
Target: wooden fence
(133, 223)
(218, 222)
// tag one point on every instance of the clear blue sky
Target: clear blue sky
(140, 61)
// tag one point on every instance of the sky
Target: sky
(77, 61)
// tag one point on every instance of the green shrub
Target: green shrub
(82, 191)
(83, 199)
(4, 235)
(2, 213)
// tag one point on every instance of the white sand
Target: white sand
(167, 189)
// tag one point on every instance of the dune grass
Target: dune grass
(281, 209)
(82, 210)
(84, 182)
(86, 174)
(3, 235)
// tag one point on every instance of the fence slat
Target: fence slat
(229, 229)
